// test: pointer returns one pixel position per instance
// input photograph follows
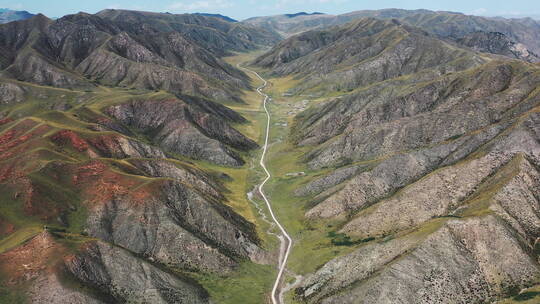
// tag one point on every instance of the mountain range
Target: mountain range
(444, 25)
(404, 153)
(428, 157)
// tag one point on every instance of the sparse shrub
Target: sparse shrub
(341, 239)
(455, 137)
(525, 296)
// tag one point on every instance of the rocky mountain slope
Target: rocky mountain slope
(114, 143)
(128, 49)
(428, 168)
(444, 25)
(102, 188)
(363, 52)
(226, 18)
(497, 43)
(126, 145)
(213, 33)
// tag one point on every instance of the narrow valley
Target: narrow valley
(373, 157)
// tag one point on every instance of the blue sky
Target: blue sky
(241, 9)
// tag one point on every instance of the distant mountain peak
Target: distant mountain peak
(7, 15)
(226, 18)
(303, 14)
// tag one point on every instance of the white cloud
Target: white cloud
(200, 5)
(128, 7)
(12, 6)
(282, 4)
(479, 11)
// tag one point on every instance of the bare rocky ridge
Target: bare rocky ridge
(488, 201)
(196, 128)
(212, 33)
(89, 178)
(100, 178)
(7, 15)
(478, 270)
(105, 267)
(102, 267)
(423, 114)
(181, 228)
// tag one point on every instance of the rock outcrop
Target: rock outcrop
(89, 202)
(498, 43)
(191, 127)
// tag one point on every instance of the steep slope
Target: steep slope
(226, 18)
(360, 53)
(78, 51)
(115, 149)
(212, 33)
(288, 26)
(187, 127)
(98, 272)
(464, 171)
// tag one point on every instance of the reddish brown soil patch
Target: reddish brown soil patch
(35, 199)
(5, 121)
(66, 137)
(6, 172)
(107, 145)
(26, 262)
(11, 139)
(6, 138)
(6, 228)
(85, 172)
(98, 183)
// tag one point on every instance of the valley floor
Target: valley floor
(312, 245)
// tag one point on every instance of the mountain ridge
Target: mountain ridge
(402, 151)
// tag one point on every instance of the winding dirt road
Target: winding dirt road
(285, 239)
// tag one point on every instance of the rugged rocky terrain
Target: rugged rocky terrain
(177, 53)
(405, 158)
(428, 167)
(193, 127)
(497, 43)
(213, 33)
